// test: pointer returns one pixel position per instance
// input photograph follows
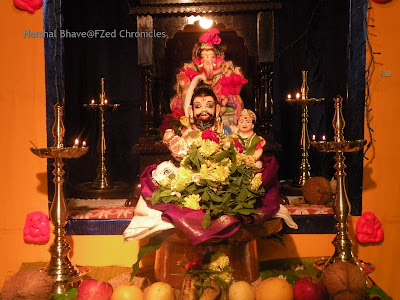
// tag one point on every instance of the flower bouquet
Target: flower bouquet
(214, 176)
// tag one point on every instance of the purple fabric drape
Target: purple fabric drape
(189, 220)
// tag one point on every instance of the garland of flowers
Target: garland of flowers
(214, 176)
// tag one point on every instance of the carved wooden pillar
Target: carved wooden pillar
(265, 39)
(265, 105)
(145, 62)
(147, 108)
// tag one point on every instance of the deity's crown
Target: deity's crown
(207, 41)
(248, 113)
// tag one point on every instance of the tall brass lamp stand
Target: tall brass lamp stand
(60, 267)
(342, 242)
(304, 101)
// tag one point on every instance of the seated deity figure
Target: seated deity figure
(208, 64)
(180, 197)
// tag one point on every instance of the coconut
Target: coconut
(27, 284)
(317, 190)
(345, 281)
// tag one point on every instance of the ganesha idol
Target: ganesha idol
(208, 64)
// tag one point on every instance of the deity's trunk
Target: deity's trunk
(208, 68)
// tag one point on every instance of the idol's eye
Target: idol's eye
(210, 106)
(197, 106)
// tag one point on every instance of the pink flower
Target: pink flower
(177, 113)
(189, 73)
(167, 122)
(196, 264)
(231, 85)
(238, 146)
(197, 61)
(208, 134)
(211, 37)
(219, 61)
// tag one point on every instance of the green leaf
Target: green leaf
(142, 252)
(212, 183)
(195, 161)
(247, 211)
(206, 283)
(200, 157)
(155, 197)
(200, 291)
(247, 205)
(71, 294)
(205, 196)
(214, 197)
(206, 220)
(375, 290)
(220, 156)
(277, 238)
(242, 196)
(233, 167)
(165, 193)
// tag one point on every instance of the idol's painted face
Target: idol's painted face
(208, 55)
(245, 124)
(204, 111)
(203, 108)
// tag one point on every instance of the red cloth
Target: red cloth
(189, 220)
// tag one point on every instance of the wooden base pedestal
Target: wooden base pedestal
(240, 247)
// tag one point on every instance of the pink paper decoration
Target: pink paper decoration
(28, 5)
(37, 228)
(368, 229)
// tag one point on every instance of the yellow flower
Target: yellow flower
(214, 171)
(256, 181)
(244, 159)
(192, 201)
(225, 276)
(208, 147)
(182, 179)
(219, 261)
(164, 181)
(197, 141)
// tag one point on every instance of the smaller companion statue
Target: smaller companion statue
(252, 144)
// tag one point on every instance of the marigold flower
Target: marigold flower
(219, 261)
(182, 179)
(192, 201)
(215, 172)
(224, 276)
(244, 159)
(208, 148)
(164, 181)
(256, 181)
